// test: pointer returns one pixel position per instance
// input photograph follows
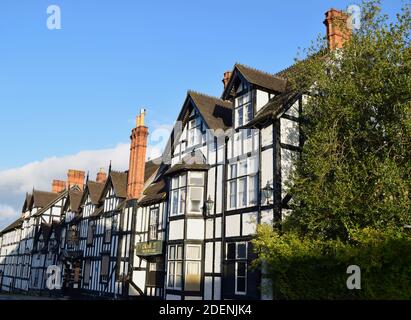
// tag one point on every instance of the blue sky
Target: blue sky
(79, 88)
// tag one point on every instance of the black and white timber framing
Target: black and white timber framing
(168, 244)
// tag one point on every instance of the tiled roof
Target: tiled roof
(119, 180)
(262, 79)
(216, 113)
(42, 198)
(95, 189)
(15, 225)
(75, 199)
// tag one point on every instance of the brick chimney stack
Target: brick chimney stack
(138, 150)
(226, 79)
(58, 186)
(338, 31)
(75, 178)
(101, 176)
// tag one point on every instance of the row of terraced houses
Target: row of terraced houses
(174, 228)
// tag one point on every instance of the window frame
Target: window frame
(153, 226)
(175, 260)
(107, 230)
(105, 277)
(243, 109)
(239, 260)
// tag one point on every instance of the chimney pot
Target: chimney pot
(101, 176)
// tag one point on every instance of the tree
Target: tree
(355, 167)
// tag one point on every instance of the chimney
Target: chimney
(138, 150)
(58, 186)
(338, 31)
(101, 176)
(75, 178)
(227, 77)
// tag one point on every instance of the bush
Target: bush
(313, 269)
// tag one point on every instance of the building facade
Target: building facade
(179, 227)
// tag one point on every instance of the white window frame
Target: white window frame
(180, 189)
(243, 107)
(153, 227)
(172, 263)
(194, 133)
(240, 171)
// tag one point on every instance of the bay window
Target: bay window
(175, 267)
(196, 192)
(187, 194)
(178, 195)
(193, 268)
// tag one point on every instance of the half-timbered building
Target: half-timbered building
(178, 228)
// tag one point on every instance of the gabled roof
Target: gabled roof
(15, 225)
(41, 199)
(156, 188)
(262, 79)
(27, 202)
(216, 113)
(119, 180)
(274, 107)
(74, 197)
(58, 197)
(151, 167)
(94, 190)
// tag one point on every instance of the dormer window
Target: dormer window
(244, 111)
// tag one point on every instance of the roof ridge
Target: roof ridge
(260, 71)
(205, 95)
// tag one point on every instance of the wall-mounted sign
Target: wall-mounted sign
(147, 249)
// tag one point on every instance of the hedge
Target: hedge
(313, 269)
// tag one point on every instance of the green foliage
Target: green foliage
(355, 168)
(314, 269)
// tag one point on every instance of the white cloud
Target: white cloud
(16, 182)
(7, 215)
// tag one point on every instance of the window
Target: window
(187, 187)
(196, 192)
(107, 232)
(237, 253)
(175, 267)
(243, 183)
(243, 110)
(105, 266)
(87, 272)
(154, 224)
(90, 233)
(193, 268)
(72, 237)
(194, 132)
(178, 195)
(152, 267)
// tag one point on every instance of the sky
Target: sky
(69, 97)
